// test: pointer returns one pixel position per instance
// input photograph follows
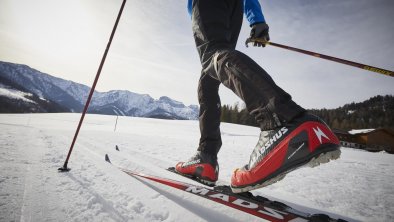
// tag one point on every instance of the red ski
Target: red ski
(255, 205)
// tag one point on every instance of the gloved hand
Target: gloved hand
(260, 31)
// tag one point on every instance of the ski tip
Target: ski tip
(107, 158)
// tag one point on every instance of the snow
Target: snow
(358, 186)
(15, 94)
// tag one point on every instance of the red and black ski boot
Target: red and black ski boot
(201, 167)
(304, 140)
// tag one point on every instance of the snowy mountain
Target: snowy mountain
(15, 98)
(73, 95)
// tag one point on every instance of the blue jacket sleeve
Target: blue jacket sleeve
(189, 6)
(253, 12)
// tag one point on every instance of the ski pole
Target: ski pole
(334, 59)
(65, 168)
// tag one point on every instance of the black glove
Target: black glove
(260, 31)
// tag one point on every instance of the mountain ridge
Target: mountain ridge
(72, 96)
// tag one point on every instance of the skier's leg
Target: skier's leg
(216, 26)
(209, 118)
(216, 33)
(289, 137)
(270, 104)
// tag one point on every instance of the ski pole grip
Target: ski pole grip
(251, 40)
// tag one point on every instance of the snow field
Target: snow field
(33, 146)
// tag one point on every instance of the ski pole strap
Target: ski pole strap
(334, 59)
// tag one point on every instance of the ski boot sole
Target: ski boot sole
(195, 178)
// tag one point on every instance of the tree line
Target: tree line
(376, 112)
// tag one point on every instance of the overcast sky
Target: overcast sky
(153, 50)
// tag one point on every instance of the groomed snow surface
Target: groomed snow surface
(359, 185)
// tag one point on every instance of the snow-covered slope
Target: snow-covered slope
(45, 86)
(15, 94)
(16, 99)
(33, 146)
(73, 96)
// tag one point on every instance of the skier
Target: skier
(289, 136)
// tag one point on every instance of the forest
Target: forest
(376, 112)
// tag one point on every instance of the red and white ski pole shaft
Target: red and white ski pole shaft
(331, 58)
(65, 168)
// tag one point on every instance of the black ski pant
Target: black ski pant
(216, 26)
